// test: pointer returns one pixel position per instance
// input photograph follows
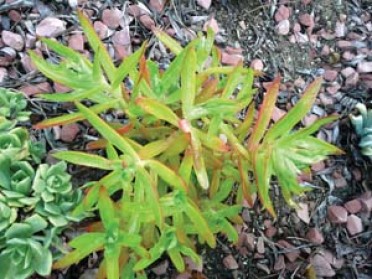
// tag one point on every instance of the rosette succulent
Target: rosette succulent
(14, 144)
(24, 254)
(363, 127)
(16, 182)
(7, 214)
(52, 181)
(12, 106)
(58, 212)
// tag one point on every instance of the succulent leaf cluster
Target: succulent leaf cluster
(180, 152)
(36, 201)
(363, 127)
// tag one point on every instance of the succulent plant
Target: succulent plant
(58, 211)
(16, 182)
(7, 214)
(14, 144)
(24, 254)
(12, 105)
(172, 167)
(363, 127)
(52, 181)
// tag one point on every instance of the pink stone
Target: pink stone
(121, 37)
(364, 67)
(348, 56)
(157, 5)
(13, 40)
(204, 3)
(306, 20)
(230, 262)
(249, 242)
(147, 21)
(260, 246)
(282, 28)
(352, 80)
(50, 27)
(60, 88)
(257, 64)
(322, 267)
(270, 232)
(292, 253)
(318, 166)
(340, 29)
(344, 44)
(27, 64)
(282, 13)
(69, 132)
(277, 114)
(325, 51)
(305, 2)
(303, 212)
(101, 29)
(3, 74)
(111, 18)
(161, 268)
(211, 23)
(347, 72)
(354, 225)
(330, 75)
(76, 42)
(231, 59)
(333, 89)
(353, 206)
(315, 236)
(31, 89)
(326, 99)
(337, 214)
(279, 263)
(309, 119)
(366, 204)
(15, 16)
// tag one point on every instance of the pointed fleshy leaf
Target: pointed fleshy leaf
(128, 65)
(188, 81)
(262, 173)
(264, 114)
(168, 41)
(158, 109)
(85, 244)
(84, 159)
(107, 132)
(286, 123)
(97, 45)
(73, 117)
(167, 174)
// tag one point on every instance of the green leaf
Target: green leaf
(264, 114)
(84, 159)
(176, 259)
(128, 65)
(198, 162)
(158, 109)
(286, 123)
(199, 222)
(107, 132)
(42, 260)
(73, 96)
(167, 174)
(97, 45)
(106, 209)
(74, 117)
(188, 82)
(172, 44)
(262, 173)
(84, 245)
(112, 255)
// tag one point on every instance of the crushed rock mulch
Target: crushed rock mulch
(329, 236)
